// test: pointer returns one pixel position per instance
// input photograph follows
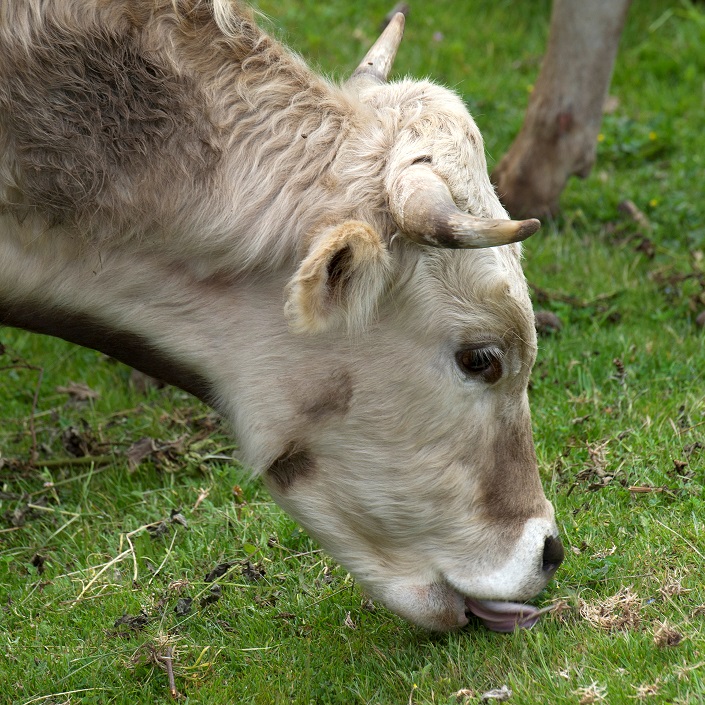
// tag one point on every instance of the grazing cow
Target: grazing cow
(327, 265)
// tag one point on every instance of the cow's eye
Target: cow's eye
(485, 363)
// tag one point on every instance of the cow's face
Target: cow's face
(407, 449)
(407, 446)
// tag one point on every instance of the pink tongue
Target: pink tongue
(505, 616)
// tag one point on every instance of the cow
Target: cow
(327, 265)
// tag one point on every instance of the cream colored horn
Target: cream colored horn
(423, 209)
(379, 59)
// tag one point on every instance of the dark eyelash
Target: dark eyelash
(483, 362)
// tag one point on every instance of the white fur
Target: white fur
(401, 468)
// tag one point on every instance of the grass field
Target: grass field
(110, 565)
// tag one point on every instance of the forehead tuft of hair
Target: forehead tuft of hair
(472, 290)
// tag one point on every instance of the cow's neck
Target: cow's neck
(154, 316)
(121, 344)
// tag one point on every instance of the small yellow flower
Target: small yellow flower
(530, 88)
(652, 135)
(600, 137)
(653, 202)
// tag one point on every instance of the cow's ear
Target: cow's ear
(340, 281)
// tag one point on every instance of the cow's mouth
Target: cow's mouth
(505, 616)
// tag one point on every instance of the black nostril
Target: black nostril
(553, 554)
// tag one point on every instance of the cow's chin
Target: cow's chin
(438, 607)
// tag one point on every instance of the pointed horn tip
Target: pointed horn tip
(394, 30)
(527, 228)
(398, 18)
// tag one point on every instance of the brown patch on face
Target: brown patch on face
(292, 465)
(511, 488)
(333, 399)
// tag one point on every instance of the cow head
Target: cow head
(413, 463)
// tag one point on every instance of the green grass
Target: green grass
(88, 593)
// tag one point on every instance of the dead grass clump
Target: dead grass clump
(620, 612)
(647, 691)
(672, 586)
(666, 635)
(592, 693)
